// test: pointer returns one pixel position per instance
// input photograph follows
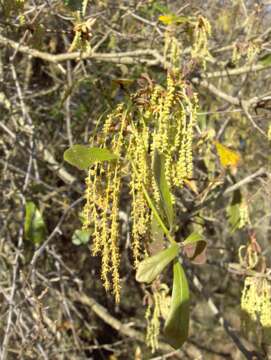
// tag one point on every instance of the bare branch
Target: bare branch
(129, 57)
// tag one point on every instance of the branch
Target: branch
(53, 165)
(245, 106)
(205, 84)
(246, 180)
(128, 57)
(239, 71)
(56, 230)
(123, 329)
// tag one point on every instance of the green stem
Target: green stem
(153, 208)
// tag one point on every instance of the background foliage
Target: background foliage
(61, 68)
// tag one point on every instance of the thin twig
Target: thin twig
(15, 274)
(245, 106)
(125, 330)
(249, 355)
(68, 104)
(248, 179)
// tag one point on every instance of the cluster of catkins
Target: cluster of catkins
(133, 131)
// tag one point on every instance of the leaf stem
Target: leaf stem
(153, 208)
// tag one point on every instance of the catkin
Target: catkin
(256, 307)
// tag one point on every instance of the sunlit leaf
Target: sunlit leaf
(194, 246)
(149, 268)
(80, 237)
(192, 185)
(157, 236)
(177, 323)
(34, 226)
(83, 156)
(265, 60)
(193, 238)
(74, 5)
(173, 19)
(227, 157)
(160, 178)
(233, 211)
(166, 19)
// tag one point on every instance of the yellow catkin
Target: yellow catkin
(82, 30)
(91, 209)
(236, 54)
(104, 234)
(181, 163)
(172, 48)
(153, 325)
(164, 301)
(185, 161)
(189, 139)
(175, 53)
(84, 7)
(167, 38)
(89, 204)
(76, 42)
(180, 118)
(244, 215)
(102, 205)
(157, 104)
(149, 331)
(19, 6)
(160, 138)
(252, 51)
(248, 50)
(256, 307)
(114, 236)
(140, 218)
(169, 125)
(158, 307)
(136, 204)
(269, 132)
(202, 32)
(248, 257)
(140, 211)
(173, 134)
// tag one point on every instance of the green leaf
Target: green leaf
(34, 226)
(194, 247)
(265, 60)
(202, 119)
(157, 237)
(160, 178)
(193, 238)
(161, 8)
(83, 156)
(177, 323)
(80, 237)
(149, 268)
(233, 210)
(74, 5)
